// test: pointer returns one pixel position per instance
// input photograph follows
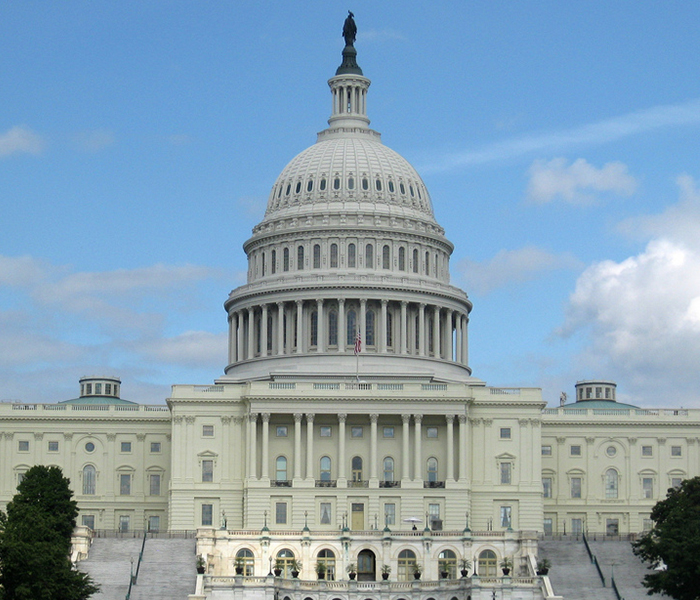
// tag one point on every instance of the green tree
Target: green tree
(674, 542)
(35, 541)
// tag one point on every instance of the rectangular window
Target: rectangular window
(155, 447)
(431, 432)
(282, 431)
(505, 433)
(390, 513)
(280, 513)
(325, 513)
(53, 446)
(108, 389)
(326, 430)
(676, 482)
(676, 451)
(88, 521)
(207, 431)
(357, 432)
(126, 446)
(23, 446)
(599, 392)
(98, 389)
(547, 487)
(207, 514)
(647, 487)
(124, 523)
(154, 523)
(433, 513)
(388, 432)
(576, 526)
(125, 484)
(155, 484)
(546, 451)
(647, 451)
(207, 470)
(575, 451)
(505, 516)
(646, 525)
(505, 473)
(575, 487)
(547, 526)
(20, 477)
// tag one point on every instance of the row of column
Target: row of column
(312, 459)
(260, 331)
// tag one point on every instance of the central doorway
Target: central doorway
(366, 566)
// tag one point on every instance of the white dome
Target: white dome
(344, 172)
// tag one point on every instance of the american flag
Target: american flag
(358, 343)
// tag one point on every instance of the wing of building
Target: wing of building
(347, 429)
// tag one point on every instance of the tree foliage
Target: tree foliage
(35, 541)
(674, 542)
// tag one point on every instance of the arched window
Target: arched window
(264, 271)
(352, 327)
(389, 329)
(300, 258)
(258, 333)
(285, 259)
(285, 562)
(369, 328)
(430, 335)
(406, 564)
(386, 257)
(402, 258)
(351, 256)
(427, 263)
(310, 185)
(273, 262)
(281, 468)
(402, 187)
(365, 183)
(356, 468)
(245, 558)
(351, 182)
(313, 337)
(89, 478)
(378, 185)
(432, 469)
(336, 183)
(317, 256)
(388, 469)
(269, 332)
(415, 260)
(447, 563)
(298, 187)
(322, 186)
(333, 328)
(327, 558)
(325, 468)
(611, 483)
(334, 256)
(487, 564)
(416, 331)
(369, 256)
(391, 186)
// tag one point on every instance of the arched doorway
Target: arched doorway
(366, 566)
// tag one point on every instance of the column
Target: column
(297, 445)
(404, 344)
(265, 446)
(341, 445)
(436, 332)
(231, 339)
(300, 341)
(363, 323)
(342, 326)
(421, 329)
(310, 446)
(251, 333)
(382, 327)
(373, 446)
(450, 448)
(253, 445)
(458, 338)
(189, 433)
(465, 346)
(320, 321)
(280, 328)
(406, 458)
(462, 447)
(418, 466)
(263, 331)
(449, 355)
(240, 320)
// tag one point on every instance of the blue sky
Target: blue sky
(560, 142)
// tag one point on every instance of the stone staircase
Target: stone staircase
(572, 574)
(629, 570)
(109, 564)
(167, 570)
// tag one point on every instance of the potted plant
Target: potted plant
(386, 571)
(506, 565)
(543, 566)
(417, 569)
(321, 569)
(352, 570)
(239, 565)
(296, 567)
(465, 564)
(201, 565)
(279, 565)
(444, 574)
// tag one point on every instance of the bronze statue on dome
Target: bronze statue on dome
(349, 29)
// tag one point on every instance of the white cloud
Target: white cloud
(95, 140)
(573, 183)
(20, 140)
(642, 314)
(191, 348)
(509, 266)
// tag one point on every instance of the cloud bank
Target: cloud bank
(20, 140)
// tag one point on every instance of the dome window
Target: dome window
(378, 185)
(334, 256)
(273, 262)
(369, 256)
(365, 183)
(386, 257)
(322, 185)
(285, 259)
(351, 255)
(415, 260)
(351, 183)
(300, 258)
(310, 185)
(313, 330)
(298, 188)
(279, 193)
(336, 183)
(289, 189)
(317, 256)
(402, 188)
(391, 186)
(418, 190)
(410, 187)
(402, 258)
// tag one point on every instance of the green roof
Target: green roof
(600, 404)
(97, 400)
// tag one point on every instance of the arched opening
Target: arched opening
(89, 477)
(406, 565)
(245, 559)
(487, 564)
(366, 566)
(284, 561)
(327, 559)
(447, 563)
(611, 484)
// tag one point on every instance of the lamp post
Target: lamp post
(270, 573)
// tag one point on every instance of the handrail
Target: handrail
(594, 560)
(597, 566)
(134, 576)
(588, 548)
(614, 587)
